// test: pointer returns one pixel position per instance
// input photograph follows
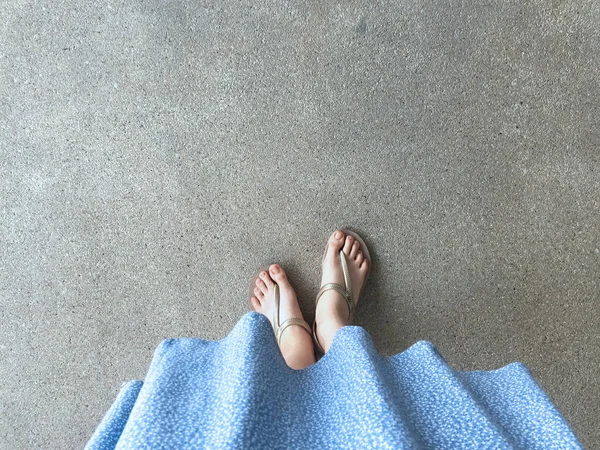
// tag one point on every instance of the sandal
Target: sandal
(345, 291)
(278, 328)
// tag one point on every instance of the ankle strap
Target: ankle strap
(288, 323)
(343, 292)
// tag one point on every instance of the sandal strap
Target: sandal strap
(347, 279)
(340, 289)
(276, 310)
(346, 293)
(280, 328)
(288, 323)
(320, 348)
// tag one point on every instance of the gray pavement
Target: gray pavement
(155, 154)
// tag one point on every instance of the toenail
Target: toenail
(275, 268)
(338, 234)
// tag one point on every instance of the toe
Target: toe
(364, 266)
(261, 285)
(277, 273)
(258, 293)
(359, 258)
(348, 245)
(336, 240)
(355, 248)
(255, 304)
(264, 276)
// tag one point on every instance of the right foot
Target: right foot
(332, 310)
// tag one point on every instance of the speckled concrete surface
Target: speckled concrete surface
(155, 154)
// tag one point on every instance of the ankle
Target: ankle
(293, 339)
(326, 331)
(332, 309)
(296, 347)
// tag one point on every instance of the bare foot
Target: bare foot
(296, 343)
(332, 310)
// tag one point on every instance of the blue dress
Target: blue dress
(239, 393)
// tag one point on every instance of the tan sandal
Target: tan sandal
(345, 291)
(278, 328)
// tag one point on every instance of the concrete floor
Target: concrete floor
(155, 154)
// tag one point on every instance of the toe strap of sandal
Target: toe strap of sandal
(288, 323)
(280, 328)
(346, 291)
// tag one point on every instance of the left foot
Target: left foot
(296, 342)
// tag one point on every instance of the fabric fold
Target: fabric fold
(239, 393)
(109, 431)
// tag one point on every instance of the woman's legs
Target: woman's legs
(296, 343)
(332, 311)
